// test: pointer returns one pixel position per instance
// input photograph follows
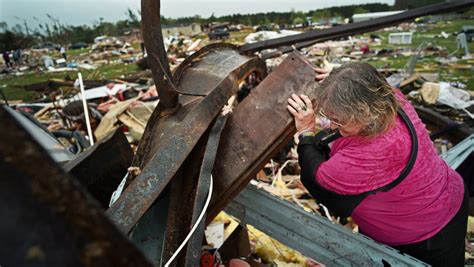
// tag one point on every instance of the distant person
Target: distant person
(17, 56)
(142, 46)
(63, 52)
(461, 40)
(6, 58)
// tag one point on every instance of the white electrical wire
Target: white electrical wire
(86, 109)
(194, 226)
(116, 194)
(327, 212)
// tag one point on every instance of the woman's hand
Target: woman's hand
(321, 74)
(302, 109)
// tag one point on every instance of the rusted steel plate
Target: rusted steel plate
(258, 128)
(172, 137)
(48, 218)
(358, 27)
(101, 167)
(190, 60)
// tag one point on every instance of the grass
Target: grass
(464, 76)
(446, 73)
(111, 71)
(431, 33)
(388, 62)
(11, 86)
(72, 53)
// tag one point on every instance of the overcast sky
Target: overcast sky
(78, 12)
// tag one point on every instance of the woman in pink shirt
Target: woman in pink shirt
(382, 168)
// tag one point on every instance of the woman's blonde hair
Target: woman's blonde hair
(357, 93)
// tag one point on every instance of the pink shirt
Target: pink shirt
(414, 210)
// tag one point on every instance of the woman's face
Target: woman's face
(348, 129)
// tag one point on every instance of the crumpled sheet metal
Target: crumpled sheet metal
(170, 137)
(185, 76)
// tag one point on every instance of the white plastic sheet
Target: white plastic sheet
(267, 35)
(453, 97)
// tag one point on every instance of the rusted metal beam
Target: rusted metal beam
(48, 218)
(157, 57)
(101, 167)
(358, 27)
(287, 49)
(193, 249)
(189, 189)
(183, 192)
(258, 128)
(188, 193)
(215, 75)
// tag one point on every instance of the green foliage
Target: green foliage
(321, 14)
(56, 31)
(298, 21)
(281, 18)
(10, 40)
(133, 19)
(360, 10)
(348, 11)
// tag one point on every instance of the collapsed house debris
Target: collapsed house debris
(184, 146)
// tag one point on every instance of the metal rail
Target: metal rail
(311, 234)
(356, 28)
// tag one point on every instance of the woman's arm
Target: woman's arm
(310, 156)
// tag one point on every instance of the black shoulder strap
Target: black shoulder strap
(411, 161)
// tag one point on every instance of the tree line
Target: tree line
(21, 36)
(283, 18)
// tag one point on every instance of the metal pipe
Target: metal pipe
(157, 56)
